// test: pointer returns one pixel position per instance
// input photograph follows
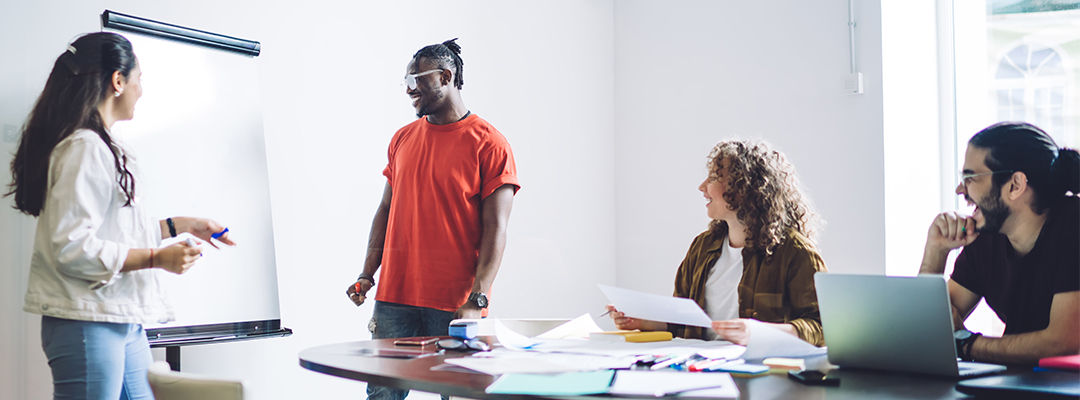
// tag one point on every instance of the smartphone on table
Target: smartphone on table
(416, 341)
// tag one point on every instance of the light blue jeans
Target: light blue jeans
(96, 360)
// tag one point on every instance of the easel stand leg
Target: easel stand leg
(172, 356)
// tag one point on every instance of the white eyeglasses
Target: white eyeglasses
(410, 79)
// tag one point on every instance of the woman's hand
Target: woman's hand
(177, 258)
(627, 323)
(202, 228)
(732, 330)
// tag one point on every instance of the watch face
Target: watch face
(962, 334)
(480, 299)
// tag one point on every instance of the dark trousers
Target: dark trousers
(391, 320)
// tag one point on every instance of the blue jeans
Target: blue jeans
(391, 320)
(96, 360)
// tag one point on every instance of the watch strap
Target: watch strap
(368, 277)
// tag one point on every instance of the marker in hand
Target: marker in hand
(191, 243)
(219, 234)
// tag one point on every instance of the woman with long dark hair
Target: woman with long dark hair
(94, 269)
(757, 260)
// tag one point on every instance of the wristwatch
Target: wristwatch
(478, 299)
(964, 340)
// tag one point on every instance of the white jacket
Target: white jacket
(83, 236)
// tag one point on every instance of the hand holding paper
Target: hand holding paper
(676, 310)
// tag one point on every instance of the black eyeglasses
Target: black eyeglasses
(464, 345)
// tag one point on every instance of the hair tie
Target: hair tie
(71, 49)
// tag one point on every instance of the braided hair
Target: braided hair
(447, 55)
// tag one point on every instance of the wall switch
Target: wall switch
(853, 84)
(11, 133)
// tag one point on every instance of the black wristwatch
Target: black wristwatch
(964, 340)
(478, 299)
(368, 277)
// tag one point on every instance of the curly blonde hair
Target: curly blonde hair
(764, 191)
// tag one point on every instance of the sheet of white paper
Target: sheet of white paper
(649, 306)
(502, 361)
(577, 328)
(648, 383)
(766, 341)
(510, 339)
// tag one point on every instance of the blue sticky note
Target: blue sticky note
(564, 384)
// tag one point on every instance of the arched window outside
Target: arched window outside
(1030, 85)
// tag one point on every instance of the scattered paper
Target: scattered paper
(577, 328)
(653, 307)
(766, 341)
(513, 340)
(564, 384)
(683, 384)
(501, 361)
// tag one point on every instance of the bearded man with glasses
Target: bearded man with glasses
(1021, 246)
(440, 230)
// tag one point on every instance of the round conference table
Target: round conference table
(352, 360)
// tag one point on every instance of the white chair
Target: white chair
(172, 385)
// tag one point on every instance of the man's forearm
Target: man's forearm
(376, 239)
(489, 258)
(494, 218)
(1019, 348)
(933, 261)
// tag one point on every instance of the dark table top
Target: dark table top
(346, 360)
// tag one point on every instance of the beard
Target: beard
(994, 213)
(427, 107)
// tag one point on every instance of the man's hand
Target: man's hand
(950, 230)
(357, 292)
(468, 311)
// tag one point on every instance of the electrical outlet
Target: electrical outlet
(11, 133)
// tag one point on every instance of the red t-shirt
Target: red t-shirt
(438, 175)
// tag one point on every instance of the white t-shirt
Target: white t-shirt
(83, 236)
(722, 287)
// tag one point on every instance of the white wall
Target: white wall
(610, 106)
(691, 73)
(541, 72)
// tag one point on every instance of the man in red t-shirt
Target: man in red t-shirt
(440, 230)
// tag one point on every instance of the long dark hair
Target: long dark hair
(80, 80)
(1022, 147)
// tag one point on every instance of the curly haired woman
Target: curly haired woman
(757, 259)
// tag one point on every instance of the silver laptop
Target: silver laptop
(891, 323)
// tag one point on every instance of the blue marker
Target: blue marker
(219, 234)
